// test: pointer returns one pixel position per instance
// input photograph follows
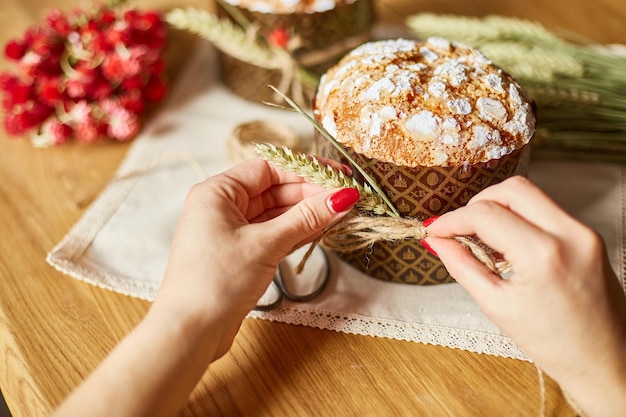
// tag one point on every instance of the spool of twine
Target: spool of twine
(241, 143)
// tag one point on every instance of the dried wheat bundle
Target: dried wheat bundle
(226, 36)
(578, 89)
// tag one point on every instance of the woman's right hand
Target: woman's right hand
(563, 305)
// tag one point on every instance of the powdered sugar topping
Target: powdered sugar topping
(423, 125)
(491, 110)
(423, 103)
(437, 88)
(453, 71)
(459, 106)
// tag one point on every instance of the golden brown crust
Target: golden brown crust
(432, 103)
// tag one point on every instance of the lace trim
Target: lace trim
(470, 340)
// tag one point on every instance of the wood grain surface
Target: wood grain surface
(54, 330)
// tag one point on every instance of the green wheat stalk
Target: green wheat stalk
(473, 31)
(392, 211)
(226, 36)
(578, 89)
(313, 170)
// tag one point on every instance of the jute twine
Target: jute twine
(289, 64)
(542, 392)
(285, 61)
(356, 232)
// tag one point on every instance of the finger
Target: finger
(249, 180)
(282, 197)
(338, 166)
(257, 175)
(308, 218)
(479, 281)
(481, 284)
(524, 198)
(498, 227)
(270, 214)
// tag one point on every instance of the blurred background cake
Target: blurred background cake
(315, 33)
(434, 123)
(288, 6)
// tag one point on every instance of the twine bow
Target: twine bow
(241, 40)
(291, 65)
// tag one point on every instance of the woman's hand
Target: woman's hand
(235, 229)
(563, 305)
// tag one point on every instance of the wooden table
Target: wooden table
(54, 330)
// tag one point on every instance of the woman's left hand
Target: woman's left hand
(234, 230)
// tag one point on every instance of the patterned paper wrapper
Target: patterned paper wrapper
(421, 192)
(325, 38)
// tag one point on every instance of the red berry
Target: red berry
(43, 44)
(113, 67)
(132, 101)
(148, 21)
(100, 89)
(92, 26)
(30, 35)
(278, 37)
(51, 65)
(107, 17)
(20, 93)
(87, 130)
(38, 112)
(7, 106)
(100, 45)
(56, 131)
(116, 68)
(7, 81)
(75, 88)
(14, 49)
(158, 67)
(58, 22)
(25, 121)
(133, 83)
(131, 16)
(115, 35)
(12, 125)
(155, 90)
(51, 90)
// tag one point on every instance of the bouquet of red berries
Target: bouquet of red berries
(84, 75)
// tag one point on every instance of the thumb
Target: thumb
(306, 220)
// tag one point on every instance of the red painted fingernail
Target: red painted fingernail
(344, 199)
(428, 248)
(429, 221)
(346, 169)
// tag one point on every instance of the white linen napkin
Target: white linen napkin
(122, 241)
